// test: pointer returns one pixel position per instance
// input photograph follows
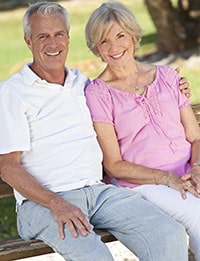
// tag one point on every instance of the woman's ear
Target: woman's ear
(134, 40)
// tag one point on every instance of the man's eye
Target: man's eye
(42, 37)
(60, 34)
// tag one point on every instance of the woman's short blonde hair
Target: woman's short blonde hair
(103, 18)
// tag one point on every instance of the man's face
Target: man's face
(48, 43)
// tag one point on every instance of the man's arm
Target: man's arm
(17, 177)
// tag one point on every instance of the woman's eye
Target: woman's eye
(103, 42)
(121, 35)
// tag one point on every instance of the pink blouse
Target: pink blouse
(148, 129)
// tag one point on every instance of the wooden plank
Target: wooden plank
(16, 248)
(105, 235)
(196, 109)
(5, 189)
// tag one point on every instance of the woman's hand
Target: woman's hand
(194, 177)
(181, 185)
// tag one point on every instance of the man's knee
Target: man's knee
(83, 252)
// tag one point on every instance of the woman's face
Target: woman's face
(117, 48)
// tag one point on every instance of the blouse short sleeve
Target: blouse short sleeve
(99, 102)
(171, 80)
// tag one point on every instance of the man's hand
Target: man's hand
(184, 84)
(71, 216)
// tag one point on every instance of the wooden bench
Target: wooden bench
(16, 248)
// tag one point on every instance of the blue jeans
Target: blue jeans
(146, 231)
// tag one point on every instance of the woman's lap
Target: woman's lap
(186, 211)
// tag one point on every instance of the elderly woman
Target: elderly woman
(145, 125)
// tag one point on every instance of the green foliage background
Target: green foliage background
(14, 54)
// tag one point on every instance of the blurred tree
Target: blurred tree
(178, 25)
(12, 4)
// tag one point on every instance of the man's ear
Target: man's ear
(28, 42)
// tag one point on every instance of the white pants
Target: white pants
(187, 211)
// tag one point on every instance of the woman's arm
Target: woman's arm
(130, 172)
(192, 132)
(112, 161)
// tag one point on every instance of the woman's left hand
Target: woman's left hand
(194, 178)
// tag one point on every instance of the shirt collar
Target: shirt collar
(74, 79)
(30, 77)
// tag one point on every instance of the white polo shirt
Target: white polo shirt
(51, 125)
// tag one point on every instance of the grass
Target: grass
(14, 54)
(7, 218)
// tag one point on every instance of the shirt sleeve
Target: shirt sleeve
(172, 78)
(99, 101)
(14, 131)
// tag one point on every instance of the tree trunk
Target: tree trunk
(178, 28)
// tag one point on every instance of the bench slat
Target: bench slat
(5, 189)
(196, 110)
(16, 248)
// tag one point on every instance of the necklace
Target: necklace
(137, 89)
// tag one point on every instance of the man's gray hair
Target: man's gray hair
(43, 8)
